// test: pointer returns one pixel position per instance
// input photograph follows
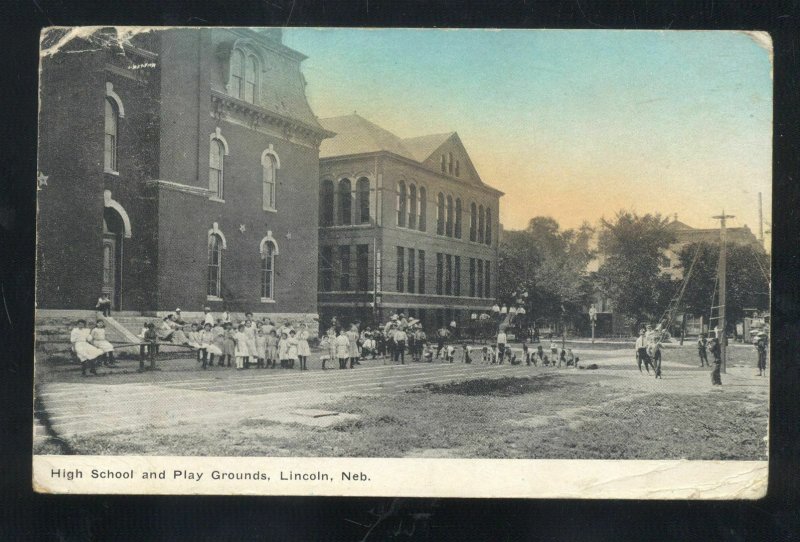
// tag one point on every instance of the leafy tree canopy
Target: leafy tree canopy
(746, 277)
(550, 265)
(629, 275)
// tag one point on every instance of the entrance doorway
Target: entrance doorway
(113, 230)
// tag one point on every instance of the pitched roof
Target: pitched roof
(678, 225)
(423, 146)
(357, 135)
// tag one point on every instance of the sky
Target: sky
(573, 124)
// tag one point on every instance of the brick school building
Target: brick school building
(178, 168)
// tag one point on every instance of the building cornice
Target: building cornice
(258, 115)
(400, 158)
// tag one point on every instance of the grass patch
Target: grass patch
(501, 387)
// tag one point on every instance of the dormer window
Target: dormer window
(243, 81)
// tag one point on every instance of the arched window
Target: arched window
(268, 251)
(440, 214)
(326, 203)
(269, 169)
(473, 221)
(111, 126)
(448, 227)
(402, 203)
(362, 190)
(481, 224)
(345, 203)
(412, 205)
(450, 163)
(423, 208)
(488, 237)
(236, 83)
(250, 79)
(444, 164)
(457, 231)
(214, 265)
(216, 160)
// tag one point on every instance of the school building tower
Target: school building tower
(178, 168)
(406, 225)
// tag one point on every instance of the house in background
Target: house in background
(405, 225)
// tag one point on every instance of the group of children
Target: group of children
(503, 353)
(250, 342)
(90, 344)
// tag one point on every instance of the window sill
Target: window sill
(111, 172)
(267, 300)
(270, 210)
(213, 298)
(215, 198)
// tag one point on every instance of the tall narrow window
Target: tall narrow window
(457, 275)
(236, 84)
(458, 169)
(412, 206)
(251, 78)
(326, 268)
(401, 267)
(326, 203)
(362, 190)
(439, 273)
(402, 203)
(421, 274)
(440, 214)
(488, 237)
(480, 278)
(111, 127)
(362, 268)
(444, 164)
(423, 208)
(481, 224)
(268, 182)
(345, 203)
(448, 227)
(412, 267)
(448, 276)
(488, 275)
(215, 168)
(344, 268)
(450, 163)
(457, 229)
(473, 221)
(472, 277)
(268, 272)
(214, 285)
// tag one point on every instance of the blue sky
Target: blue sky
(571, 124)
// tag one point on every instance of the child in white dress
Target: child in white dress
(283, 350)
(81, 344)
(261, 346)
(242, 353)
(207, 346)
(303, 350)
(99, 340)
(292, 345)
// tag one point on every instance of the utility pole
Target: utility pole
(721, 271)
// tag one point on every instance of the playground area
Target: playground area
(437, 409)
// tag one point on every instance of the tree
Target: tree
(629, 275)
(747, 279)
(550, 265)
